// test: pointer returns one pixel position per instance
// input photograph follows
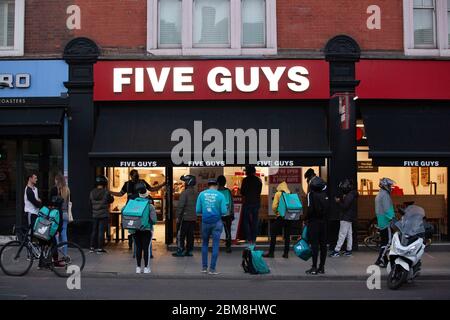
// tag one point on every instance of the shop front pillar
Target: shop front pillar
(80, 54)
(342, 52)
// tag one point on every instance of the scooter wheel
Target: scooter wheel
(396, 277)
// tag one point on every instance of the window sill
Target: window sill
(11, 53)
(213, 52)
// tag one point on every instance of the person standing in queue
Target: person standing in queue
(143, 236)
(229, 217)
(279, 223)
(384, 209)
(211, 205)
(348, 208)
(186, 218)
(62, 190)
(251, 192)
(316, 220)
(130, 188)
(100, 199)
(32, 202)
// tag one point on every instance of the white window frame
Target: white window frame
(19, 30)
(441, 25)
(235, 48)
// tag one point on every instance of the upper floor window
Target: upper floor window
(11, 27)
(211, 27)
(427, 27)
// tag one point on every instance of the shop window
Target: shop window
(11, 27)
(211, 27)
(425, 186)
(426, 26)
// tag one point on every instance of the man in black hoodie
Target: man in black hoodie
(347, 204)
(316, 220)
(251, 192)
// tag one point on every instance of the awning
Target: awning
(31, 121)
(408, 135)
(144, 132)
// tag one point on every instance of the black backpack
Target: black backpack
(247, 263)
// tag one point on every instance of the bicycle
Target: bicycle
(17, 256)
(373, 240)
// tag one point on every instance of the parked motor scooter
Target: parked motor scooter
(407, 247)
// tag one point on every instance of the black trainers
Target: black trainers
(286, 255)
(100, 251)
(268, 255)
(381, 264)
(321, 270)
(312, 271)
(91, 250)
(188, 254)
(347, 253)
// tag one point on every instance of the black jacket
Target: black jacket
(348, 206)
(251, 190)
(100, 200)
(318, 204)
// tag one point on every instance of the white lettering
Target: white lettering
(225, 81)
(118, 78)
(273, 77)
(158, 85)
(74, 20)
(254, 79)
(300, 83)
(182, 79)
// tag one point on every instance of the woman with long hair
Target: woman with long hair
(62, 190)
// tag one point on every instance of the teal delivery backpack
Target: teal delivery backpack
(46, 224)
(302, 248)
(253, 261)
(290, 206)
(135, 215)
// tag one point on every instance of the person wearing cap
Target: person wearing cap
(211, 205)
(100, 199)
(251, 193)
(186, 218)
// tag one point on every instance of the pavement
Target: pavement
(119, 263)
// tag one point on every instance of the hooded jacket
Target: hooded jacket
(282, 187)
(348, 206)
(100, 200)
(384, 209)
(318, 204)
(186, 205)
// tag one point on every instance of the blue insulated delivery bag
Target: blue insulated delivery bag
(290, 206)
(46, 224)
(253, 261)
(302, 248)
(136, 214)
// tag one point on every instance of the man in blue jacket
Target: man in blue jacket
(211, 205)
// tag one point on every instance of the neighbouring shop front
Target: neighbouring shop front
(32, 113)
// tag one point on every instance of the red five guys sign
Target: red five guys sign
(210, 80)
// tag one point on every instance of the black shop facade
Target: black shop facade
(210, 117)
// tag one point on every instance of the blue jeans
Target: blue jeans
(208, 230)
(250, 212)
(63, 235)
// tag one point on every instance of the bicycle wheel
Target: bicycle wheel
(16, 258)
(69, 254)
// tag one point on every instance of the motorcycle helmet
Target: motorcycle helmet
(346, 186)
(386, 184)
(189, 180)
(101, 181)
